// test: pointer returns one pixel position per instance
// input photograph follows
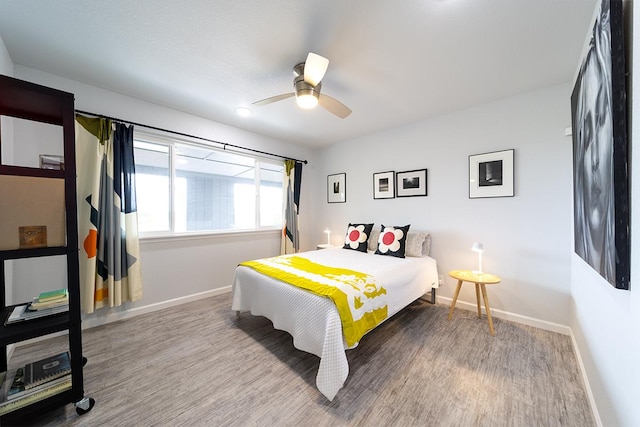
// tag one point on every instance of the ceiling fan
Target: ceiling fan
(307, 82)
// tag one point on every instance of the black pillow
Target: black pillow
(357, 236)
(392, 241)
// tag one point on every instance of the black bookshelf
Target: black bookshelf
(29, 101)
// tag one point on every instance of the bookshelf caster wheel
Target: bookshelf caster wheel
(85, 405)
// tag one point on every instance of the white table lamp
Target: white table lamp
(326, 230)
(477, 247)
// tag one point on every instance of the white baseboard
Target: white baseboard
(517, 318)
(585, 378)
(92, 322)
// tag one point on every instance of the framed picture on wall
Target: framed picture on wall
(491, 174)
(51, 161)
(383, 185)
(600, 157)
(337, 188)
(411, 183)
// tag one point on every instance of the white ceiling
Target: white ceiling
(392, 62)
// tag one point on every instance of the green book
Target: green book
(52, 295)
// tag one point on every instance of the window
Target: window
(186, 187)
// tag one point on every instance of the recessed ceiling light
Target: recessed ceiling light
(243, 111)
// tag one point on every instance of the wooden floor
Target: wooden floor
(197, 365)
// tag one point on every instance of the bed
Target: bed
(313, 321)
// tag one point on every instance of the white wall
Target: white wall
(6, 64)
(526, 238)
(6, 68)
(175, 270)
(606, 322)
(42, 138)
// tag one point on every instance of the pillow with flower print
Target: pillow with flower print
(392, 240)
(357, 236)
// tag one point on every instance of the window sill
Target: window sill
(174, 237)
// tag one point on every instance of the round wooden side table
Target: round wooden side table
(480, 280)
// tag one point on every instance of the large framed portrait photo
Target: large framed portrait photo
(337, 188)
(599, 132)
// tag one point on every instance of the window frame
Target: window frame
(171, 235)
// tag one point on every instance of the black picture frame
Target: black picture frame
(600, 149)
(337, 188)
(384, 185)
(411, 183)
(491, 174)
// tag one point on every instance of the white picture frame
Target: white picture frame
(491, 174)
(384, 185)
(411, 183)
(337, 188)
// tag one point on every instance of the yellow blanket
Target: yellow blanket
(361, 303)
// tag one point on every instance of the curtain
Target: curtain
(290, 242)
(107, 216)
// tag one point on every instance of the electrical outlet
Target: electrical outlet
(441, 280)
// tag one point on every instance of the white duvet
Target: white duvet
(313, 321)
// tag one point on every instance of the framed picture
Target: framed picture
(491, 174)
(383, 185)
(600, 159)
(337, 188)
(411, 183)
(33, 236)
(51, 161)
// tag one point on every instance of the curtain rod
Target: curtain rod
(224, 144)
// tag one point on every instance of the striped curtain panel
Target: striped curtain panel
(107, 216)
(290, 242)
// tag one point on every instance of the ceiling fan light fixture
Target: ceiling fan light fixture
(307, 87)
(306, 94)
(307, 101)
(243, 111)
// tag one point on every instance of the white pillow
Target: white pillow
(414, 244)
(426, 246)
(373, 238)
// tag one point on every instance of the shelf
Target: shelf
(34, 172)
(32, 252)
(31, 101)
(41, 197)
(31, 328)
(17, 417)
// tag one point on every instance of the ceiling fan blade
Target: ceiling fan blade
(273, 99)
(334, 106)
(314, 68)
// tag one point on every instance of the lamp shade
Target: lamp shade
(477, 247)
(328, 232)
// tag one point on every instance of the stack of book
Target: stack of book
(35, 381)
(50, 300)
(45, 304)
